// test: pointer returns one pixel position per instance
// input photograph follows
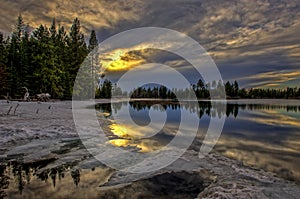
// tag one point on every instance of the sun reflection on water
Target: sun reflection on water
(143, 146)
(127, 137)
(119, 130)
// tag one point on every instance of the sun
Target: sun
(121, 60)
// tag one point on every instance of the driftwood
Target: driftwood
(9, 110)
(43, 97)
(7, 97)
(26, 95)
(16, 109)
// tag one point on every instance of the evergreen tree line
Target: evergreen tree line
(44, 60)
(233, 91)
(201, 90)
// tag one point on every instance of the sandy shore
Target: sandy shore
(32, 131)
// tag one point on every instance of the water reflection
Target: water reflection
(36, 179)
(23, 173)
(126, 136)
(261, 135)
(266, 136)
(4, 181)
(201, 108)
(279, 118)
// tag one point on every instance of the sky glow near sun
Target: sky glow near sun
(120, 60)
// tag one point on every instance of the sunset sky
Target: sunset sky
(256, 42)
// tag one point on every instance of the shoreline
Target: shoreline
(50, 133)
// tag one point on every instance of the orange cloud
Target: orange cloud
(120, 60)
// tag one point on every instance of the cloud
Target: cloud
(121, 60)
(274, 78)
(244, 37)
(93, 14)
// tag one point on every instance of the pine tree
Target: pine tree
(105, 91)
(53, 32)
(15, 67)
(62, 53)
(25, 61)
(93, 42)
(56, 67)
(228, 89)
(3, 62)
(40, 58)
(77, 52)
(235, 88)
(48, 69)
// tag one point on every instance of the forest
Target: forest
(43, 60)
(46, 60)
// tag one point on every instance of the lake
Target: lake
(263, 134)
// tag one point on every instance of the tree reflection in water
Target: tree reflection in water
(76, 176)
(22, 173)
(4, 180)
(201, 107)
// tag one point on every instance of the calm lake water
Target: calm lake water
(261, 134)
(264, 134)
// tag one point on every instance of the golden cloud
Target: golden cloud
(120, 60)
(92, 14)
(273, 78)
